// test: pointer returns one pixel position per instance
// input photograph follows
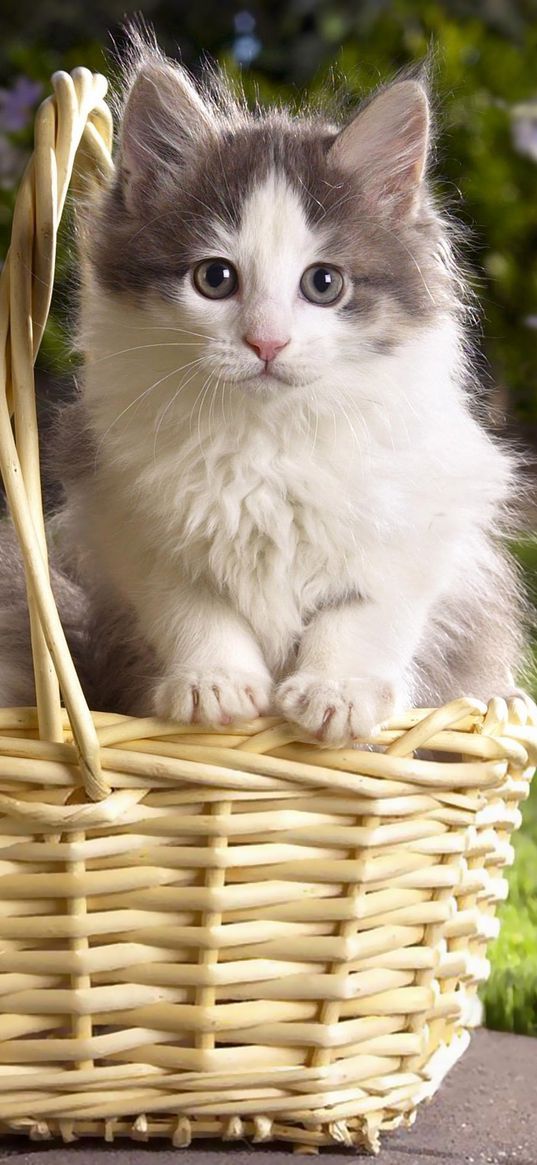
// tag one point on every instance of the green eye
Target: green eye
(322, 284)
(215, 278)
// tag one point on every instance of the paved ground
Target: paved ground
(485, 1113)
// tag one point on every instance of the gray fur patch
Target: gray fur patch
(473, 644)
(116, 668)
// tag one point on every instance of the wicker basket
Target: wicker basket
(222, 934)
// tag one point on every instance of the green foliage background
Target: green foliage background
(485, 69)
(484, 57)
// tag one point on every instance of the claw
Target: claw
(329, 713)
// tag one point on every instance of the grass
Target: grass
(510, 996)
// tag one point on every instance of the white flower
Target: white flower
(524, 129)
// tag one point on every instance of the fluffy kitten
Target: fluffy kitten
(276, 478)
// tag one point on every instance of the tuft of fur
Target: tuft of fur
(321, 532)
(114, 664)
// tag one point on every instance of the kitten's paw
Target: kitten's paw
(337, 712)
(216, 698)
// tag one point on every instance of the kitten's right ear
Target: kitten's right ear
(164, 118)
(386, 147)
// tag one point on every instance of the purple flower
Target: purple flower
(244, 23)
(17, 103)
(246, 46)
(246, 49)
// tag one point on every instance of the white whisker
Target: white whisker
(139, 348)
(202, 402)
(171, 402)
(136, 400)
(212, 402)
(171, 328)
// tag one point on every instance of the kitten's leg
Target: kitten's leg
(17, 686)
(214, 671)
(475, 641)
(360, 662)
(350, 672)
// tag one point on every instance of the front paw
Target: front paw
(337, 712)
(213, 698)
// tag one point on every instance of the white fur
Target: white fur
(227, 507)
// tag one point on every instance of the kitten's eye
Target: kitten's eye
(215, 278)
(321, 284)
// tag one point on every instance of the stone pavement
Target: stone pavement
(484, 1114)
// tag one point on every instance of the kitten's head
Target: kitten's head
(286, 245)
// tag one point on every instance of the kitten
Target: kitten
(276, 479)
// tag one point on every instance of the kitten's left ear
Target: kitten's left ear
(386, 147)
(164, 120)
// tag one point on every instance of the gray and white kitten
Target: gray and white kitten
(276, 486)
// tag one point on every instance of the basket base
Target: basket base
(361, 1132)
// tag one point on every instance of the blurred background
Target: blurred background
(485, 77)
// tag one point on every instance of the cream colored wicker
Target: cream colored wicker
(222, 934)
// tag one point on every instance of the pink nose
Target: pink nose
(266, 349)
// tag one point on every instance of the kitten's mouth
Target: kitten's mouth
(269, 373)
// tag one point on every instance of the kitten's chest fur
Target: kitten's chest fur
(267, 524)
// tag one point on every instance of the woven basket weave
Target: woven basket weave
(222, 934)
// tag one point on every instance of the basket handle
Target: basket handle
(72, 124)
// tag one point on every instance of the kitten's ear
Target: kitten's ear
(386, 147)
(163, 119)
